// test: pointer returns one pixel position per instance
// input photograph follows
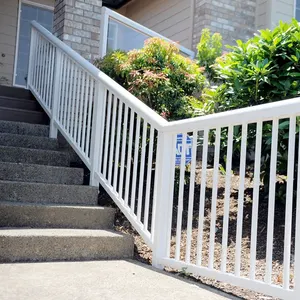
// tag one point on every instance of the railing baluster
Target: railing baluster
(63, 89)
(124, 140)
(89, 118)
(117, 152)
(73, 101)
(256, 186)
(289, 204)
(191, 198)
(239, 226)
(31, 62)
(202, 198)
(44, 72)
(271, 207)
(70, 97)
(84, 121)
(56, 94)
(227, 199)
(51, 73)
(112, 139)
(103, 91)
(214, 200)
(39, 65)
(77, 104)
(107, 134)
(142, 171)
(135, 162)
(180, 197)
(79, 137)
(129, 157)
(149, 178)
(67, 96)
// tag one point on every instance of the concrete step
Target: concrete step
(24, 128)
(22, 115)
(20, 103)
(9, 91)
(40, 173)
(20, 245)
(28, 141)
(34, 156)
(48, 193)
(55, 216)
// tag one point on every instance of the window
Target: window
(29, 13)
(297, 10)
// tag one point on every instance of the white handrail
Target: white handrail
(265, 112)
(130, 150)
(142, 108)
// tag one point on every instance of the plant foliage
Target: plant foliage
(264, 69)
(159, 76)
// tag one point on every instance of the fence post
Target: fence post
(163, 197)
(97, 130)
(56, 93)
(31, 52)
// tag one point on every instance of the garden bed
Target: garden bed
(144, 254)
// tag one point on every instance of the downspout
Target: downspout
(192, 11)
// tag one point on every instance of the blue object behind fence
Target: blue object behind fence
(188, 152)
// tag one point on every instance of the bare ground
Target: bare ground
(144, 254)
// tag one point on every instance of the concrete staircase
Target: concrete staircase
(46, 213)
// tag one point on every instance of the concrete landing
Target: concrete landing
(101, 280)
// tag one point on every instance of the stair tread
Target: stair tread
(22, 110)
(30, 172)
(50, 205)
(8, 163)
(16, 123)
(28, 141)
(60, 232)
(37, 150)
(49, 184)
(18, 98)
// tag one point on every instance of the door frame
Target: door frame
(31, 3)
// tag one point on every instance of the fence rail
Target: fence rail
(205, 218)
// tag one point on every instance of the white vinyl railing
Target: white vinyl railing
(131, 151)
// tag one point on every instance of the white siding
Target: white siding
(283, 10)
(270, 12)
(171, 18)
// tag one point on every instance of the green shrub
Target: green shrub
(264, 69)
(158, 75)
(209, 48)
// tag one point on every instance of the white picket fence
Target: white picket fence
(130, 151)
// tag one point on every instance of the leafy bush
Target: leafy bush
(209, 48)
(264, 69)
(158, 75)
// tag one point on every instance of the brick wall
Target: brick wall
(234, 19)
(77, 23)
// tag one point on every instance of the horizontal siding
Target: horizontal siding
(270, 12)
(284, 10)
(8, 33)
(171, 18)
